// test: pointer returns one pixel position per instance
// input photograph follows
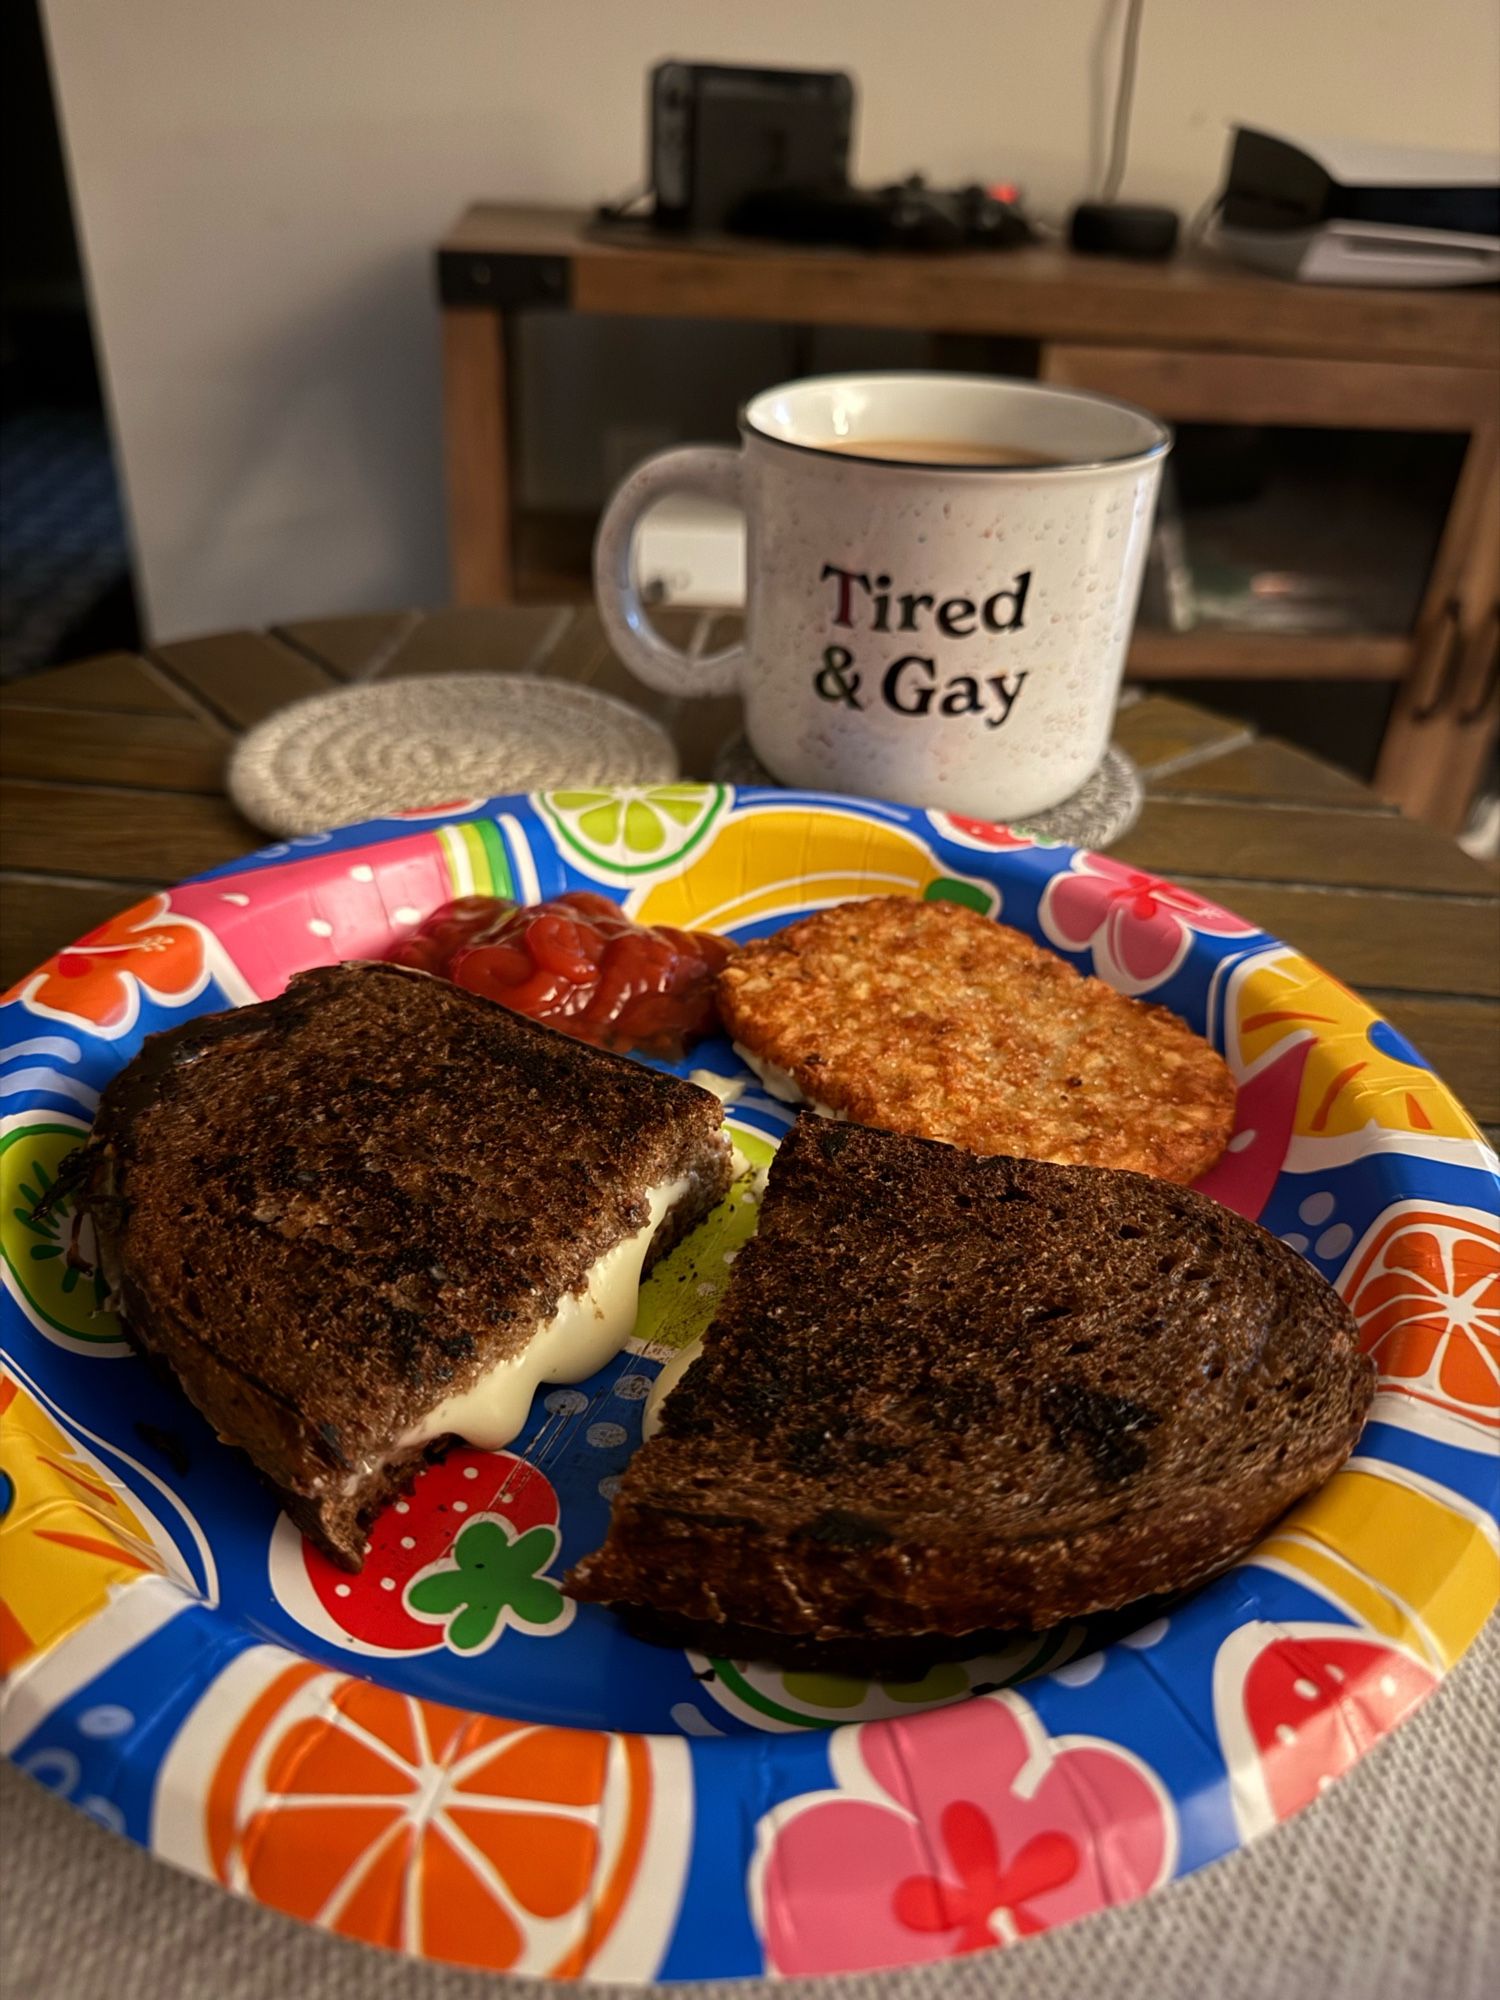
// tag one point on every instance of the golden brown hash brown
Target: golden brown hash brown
(930, 1019)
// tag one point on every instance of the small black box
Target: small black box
(720, 132)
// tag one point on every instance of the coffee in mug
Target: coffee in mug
(942, 576)
(938, 451)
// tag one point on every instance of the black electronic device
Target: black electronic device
(1276, 183)
(1123, 229)
(1107, 226)
(1344, 212)
(721, 132)
(907, 216)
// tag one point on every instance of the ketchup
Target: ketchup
(579, 965)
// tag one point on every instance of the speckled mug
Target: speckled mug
(945, 633)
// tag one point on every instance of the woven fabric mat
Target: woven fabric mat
(1387, 1889)
(1103, 809)
(400, 744)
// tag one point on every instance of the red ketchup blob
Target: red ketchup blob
(579, 965)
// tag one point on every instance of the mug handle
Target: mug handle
(713, 471)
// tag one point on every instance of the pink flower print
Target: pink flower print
(1140, 928)
(986, 1894)
(957, 1830)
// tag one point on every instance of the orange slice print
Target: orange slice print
(406, 1823)
(1425, 1288)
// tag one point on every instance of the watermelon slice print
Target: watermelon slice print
(458, 1561)
(1298, 1705)
(1245, 1178)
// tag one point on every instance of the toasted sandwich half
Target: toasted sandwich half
(947, 1394)
(373, 1214)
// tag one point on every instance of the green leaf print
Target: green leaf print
(493, 1581)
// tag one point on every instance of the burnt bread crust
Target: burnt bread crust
(328, 1212)
(947, 1393)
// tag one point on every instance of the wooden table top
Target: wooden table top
(504, 255)
(111, 786)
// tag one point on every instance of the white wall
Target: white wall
(259, 183)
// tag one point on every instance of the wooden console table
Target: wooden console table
(1195, 340)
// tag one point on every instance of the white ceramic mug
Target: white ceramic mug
(944, 633)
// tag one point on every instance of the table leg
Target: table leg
(1448, 708)
(476, 438)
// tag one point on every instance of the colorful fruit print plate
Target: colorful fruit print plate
(448, 1756)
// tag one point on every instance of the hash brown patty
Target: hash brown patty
(929, 1019)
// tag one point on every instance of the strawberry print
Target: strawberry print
(456, 1562)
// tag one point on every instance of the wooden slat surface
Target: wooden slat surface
(173, 753)
(1296, 844)
(140, 835)
(1423, 944)
(1161, 734)
(242, 676)
(698, 728)
(1265, 770)
(114, 684)
(583, 654)
(1461, 1039)
(111, 773)
(475, 641)
(349, 647)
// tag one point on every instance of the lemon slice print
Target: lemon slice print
(775, 1698)
(626, 833)
(62, 1299)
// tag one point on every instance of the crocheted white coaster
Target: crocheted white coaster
(393, 745)
(1104, 808)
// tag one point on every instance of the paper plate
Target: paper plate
(445, 1754)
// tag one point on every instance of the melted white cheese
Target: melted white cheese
(780, 1083)
(588, 1329)
(726, 1088)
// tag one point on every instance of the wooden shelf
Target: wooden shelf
(1211, 654)
(552, 566)
(509, 256)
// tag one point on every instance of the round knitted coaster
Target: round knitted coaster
(395, 745)
(1105, 806)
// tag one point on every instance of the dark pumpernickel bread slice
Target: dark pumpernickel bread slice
(946, 1393)
(327, 1213)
